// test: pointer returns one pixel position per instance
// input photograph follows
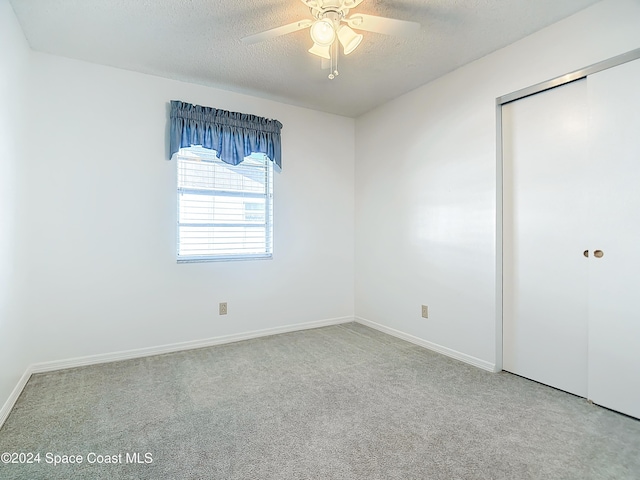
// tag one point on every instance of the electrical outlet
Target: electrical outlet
(425, 311)
(223, 308)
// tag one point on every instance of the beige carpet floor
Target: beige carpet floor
(341, 402)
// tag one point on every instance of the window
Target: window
(224, 211)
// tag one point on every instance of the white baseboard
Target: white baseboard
(463, 357)
(13, 397)
(149, 351)
(177, 347)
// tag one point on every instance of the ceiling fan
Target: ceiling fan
(332, 26)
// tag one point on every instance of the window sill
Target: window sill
(221, 258)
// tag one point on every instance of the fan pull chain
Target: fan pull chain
(334, 67)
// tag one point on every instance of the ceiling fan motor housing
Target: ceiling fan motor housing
(336, 10)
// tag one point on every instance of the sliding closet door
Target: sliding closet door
(545, 218)
(614, 312)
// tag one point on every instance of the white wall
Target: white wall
(14, 63)
(102, 273)
(98, 247)
(426, 183)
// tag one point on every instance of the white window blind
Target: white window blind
(224, 211)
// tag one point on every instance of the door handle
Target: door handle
(598, 253)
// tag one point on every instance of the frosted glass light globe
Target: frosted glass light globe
(349, 39)
(321, 51)
(323, 33)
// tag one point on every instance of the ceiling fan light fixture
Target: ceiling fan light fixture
(321, 51)
(349, 39)
(323, 32)
(331, 24)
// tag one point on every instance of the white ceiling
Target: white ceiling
(198, 41)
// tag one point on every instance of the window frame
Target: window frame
(210, 155)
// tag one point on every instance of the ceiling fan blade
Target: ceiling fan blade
(276, 32)
(387, 26)
(352, 3)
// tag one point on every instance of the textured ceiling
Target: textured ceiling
(198, 41)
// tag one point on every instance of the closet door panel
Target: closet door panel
(614, 294)
(545, 220)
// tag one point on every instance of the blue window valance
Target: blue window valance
(232, 135)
